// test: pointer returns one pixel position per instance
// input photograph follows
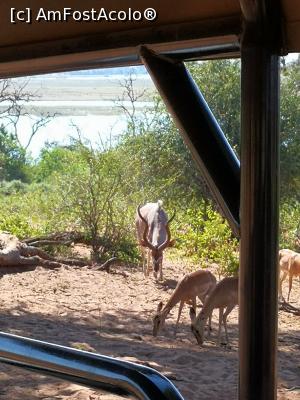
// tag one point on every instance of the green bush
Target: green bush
(289, 225)
(29, 213)
(8, 188)
(14, 163)
(205, 237)
(15, 224)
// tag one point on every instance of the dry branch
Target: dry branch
(57, 239)
(106, 266)
(285, 306)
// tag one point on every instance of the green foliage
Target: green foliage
(15, 224)
(53, 159)
(289, 225)
(158, 162)
(289, 133)
(13, 162)
(205, 237)
(21, 213)
(88, 188)
(18, 214)
(219, 82)
(8, 188)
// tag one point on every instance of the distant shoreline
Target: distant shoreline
(82, 88)
(79, 107)
(88, 102)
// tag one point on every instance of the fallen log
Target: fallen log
(13, 252)
(56, 239)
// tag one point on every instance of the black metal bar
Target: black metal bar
(85, 368)
(259, 201)
(250, 10)
(197, 53)
(114, 58)
(200, 130)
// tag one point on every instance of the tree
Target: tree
(160, 164)
(53, 159)
(219, 82)
(88, 190)
(15, 102)
(13, 161)
(289, 132)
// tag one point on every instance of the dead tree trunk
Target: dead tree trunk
(15, 253)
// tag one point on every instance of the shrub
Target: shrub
(12, 187)
(15, 224)
(206, 237)
(289, 225)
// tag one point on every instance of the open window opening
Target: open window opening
(89, 186)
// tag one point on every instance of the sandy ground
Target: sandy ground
(111, 314)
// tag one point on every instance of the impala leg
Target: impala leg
(178, 316)
(290, 285)
(209, 324)
(194, 303)
(203, 298)
(221, 311)
(281, 279)
(225, 315)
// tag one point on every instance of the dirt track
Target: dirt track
(111, 314)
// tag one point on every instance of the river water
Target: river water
(79, 103)
(97, 121)
(94, 128)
